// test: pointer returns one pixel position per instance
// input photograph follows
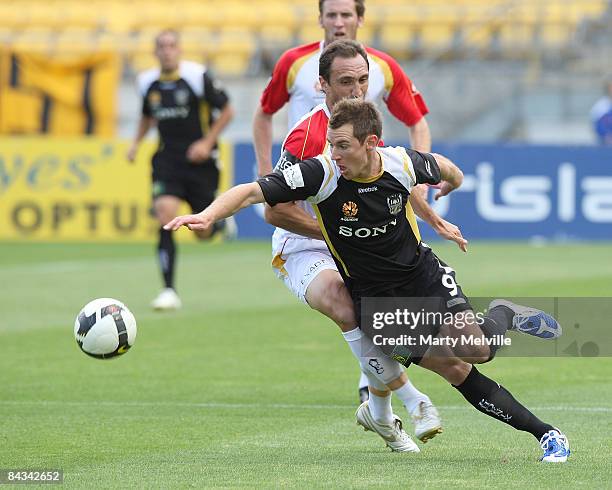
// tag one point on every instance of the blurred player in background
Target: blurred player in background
(601, 116)
(190, 110)
(295, 80)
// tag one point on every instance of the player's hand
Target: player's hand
(195, 222)
(445, 188)
(131, 153)
(451, 232)
(199, 150)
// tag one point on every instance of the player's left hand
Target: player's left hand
(451, 232)
(199, 150)
(195, 222)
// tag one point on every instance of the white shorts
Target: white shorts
(298, 269)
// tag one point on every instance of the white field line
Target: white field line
(246, 406)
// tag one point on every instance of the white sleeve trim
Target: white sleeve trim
(193, 74)
(146, 79)
(330, 180)
(399, 164)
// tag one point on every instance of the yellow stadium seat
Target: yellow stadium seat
(232, 54)
(516, 39)
(477, 36)
(398, 40)
(201, 14)
(555, 35)
(436, 36)
(310, 33)
(75, 41)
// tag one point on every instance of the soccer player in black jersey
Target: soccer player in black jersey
(359, 193)
(190, 110)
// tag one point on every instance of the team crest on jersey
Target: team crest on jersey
(395, 203)
(181, 96)
(154, 99)
(349, 210)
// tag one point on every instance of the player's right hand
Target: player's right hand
(195, 222)
(131, 153)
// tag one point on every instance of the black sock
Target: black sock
(495, 401)
(166, 252)
(497, 322)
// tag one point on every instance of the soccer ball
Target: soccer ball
(105, 328)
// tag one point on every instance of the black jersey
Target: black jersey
(369, 225)
(183, 104)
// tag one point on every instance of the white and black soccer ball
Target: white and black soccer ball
(105, 328)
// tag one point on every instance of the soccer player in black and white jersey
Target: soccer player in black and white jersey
(379, 255)
(190, 110)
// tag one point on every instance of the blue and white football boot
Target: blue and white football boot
(531, 320)
(556, 447)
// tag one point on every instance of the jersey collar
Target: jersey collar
(378, 175)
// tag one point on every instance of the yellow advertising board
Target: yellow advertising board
(79, 189)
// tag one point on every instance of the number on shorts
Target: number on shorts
(449, 281)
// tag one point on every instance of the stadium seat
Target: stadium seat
(436, 37)
(555, 35)
(515, 39)
(232, 54)
(310, 33)
(398, 39)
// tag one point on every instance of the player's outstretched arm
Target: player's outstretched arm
(262, 141)
(226, 205)
(451, 176)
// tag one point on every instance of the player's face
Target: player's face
(348, 78)
(168, 52)
(351, 156)
(339, 20)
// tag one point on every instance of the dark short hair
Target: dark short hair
(363, 115)
(173, 32)
(343, 49)
(359, 7)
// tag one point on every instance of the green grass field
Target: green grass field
(247, 387)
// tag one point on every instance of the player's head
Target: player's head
(340, 19)
(343, 71)
(167, 49)
(354, 131)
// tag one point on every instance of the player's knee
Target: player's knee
(330, 297)
(476, 354)
(453, 370)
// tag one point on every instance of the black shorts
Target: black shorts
(432, 288)
(194, 183)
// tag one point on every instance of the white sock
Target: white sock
(411, 397)
(380, 407)
(363, 381)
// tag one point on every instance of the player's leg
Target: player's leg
(166, 207)
(490, 328)
(494, 400)
(481, 392)
(168, 192)
(325, 292)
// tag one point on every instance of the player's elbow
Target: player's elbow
(261, 116)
